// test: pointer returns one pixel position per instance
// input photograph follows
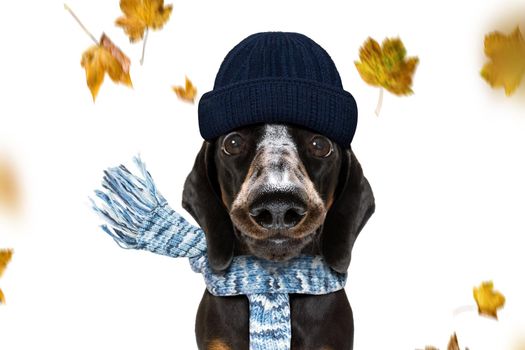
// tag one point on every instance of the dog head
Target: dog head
(275, 191)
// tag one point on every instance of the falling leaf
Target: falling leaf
(116, 52)
(105, 58)
(142, 14)
(5, 257)
(488, 300)
(507, 60)
(186, 93)
(9, 193)
(520, 344)
(387, 66)
(453, 343)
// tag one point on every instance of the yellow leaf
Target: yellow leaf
(387, 66)
(186, 93)
(9, 193)
(5, 257)
(105, 58)
(507, 60)
(488, 300)
(142, 14)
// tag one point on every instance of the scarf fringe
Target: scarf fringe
(128, 203)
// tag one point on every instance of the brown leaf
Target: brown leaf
(186, 93)
(142, 14)
(105, 58)
(453, 343)
(116, 52)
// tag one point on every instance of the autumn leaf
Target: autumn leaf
(5, 257)
(122, 59)
(105, 58)
(142, 15)
(507, 60)
(101, 58)
(9, 192)
(186, 93)
(387, 66)
(488, 300)
(453, 343)
(519, 345)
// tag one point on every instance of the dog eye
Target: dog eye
(233, 144)
(320, 146)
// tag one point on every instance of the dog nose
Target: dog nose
(277, 213)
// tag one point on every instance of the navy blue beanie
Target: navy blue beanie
(279, 77)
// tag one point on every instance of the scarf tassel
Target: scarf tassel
(128, 204)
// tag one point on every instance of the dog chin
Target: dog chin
(277, 248)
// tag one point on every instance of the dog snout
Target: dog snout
(278, 210)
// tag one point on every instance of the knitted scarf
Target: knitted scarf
(139, 217)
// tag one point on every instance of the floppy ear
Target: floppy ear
(351, 210)
(201, 198)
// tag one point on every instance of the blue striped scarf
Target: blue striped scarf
(139, 217)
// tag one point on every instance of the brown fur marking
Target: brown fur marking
(218, 344)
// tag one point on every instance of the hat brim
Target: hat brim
(327, 110)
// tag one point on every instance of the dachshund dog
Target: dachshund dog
(276, 191)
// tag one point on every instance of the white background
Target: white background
(446, 166)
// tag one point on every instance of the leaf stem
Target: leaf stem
(379, 101)
(464, 308)
(144, 46)
(80, 23)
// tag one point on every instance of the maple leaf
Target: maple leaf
(507, 60)
(142, 15)
(186, 93)
(9, 194)
(101, 58)
(488, 300)
(105, 58)
(387, 67)
(453, 343)
(5, 257)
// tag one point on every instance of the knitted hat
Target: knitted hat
(279, 77)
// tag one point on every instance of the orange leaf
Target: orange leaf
(186, 93)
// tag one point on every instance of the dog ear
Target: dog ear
(201, 198)
(351, 210)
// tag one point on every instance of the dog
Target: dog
(276, 191)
